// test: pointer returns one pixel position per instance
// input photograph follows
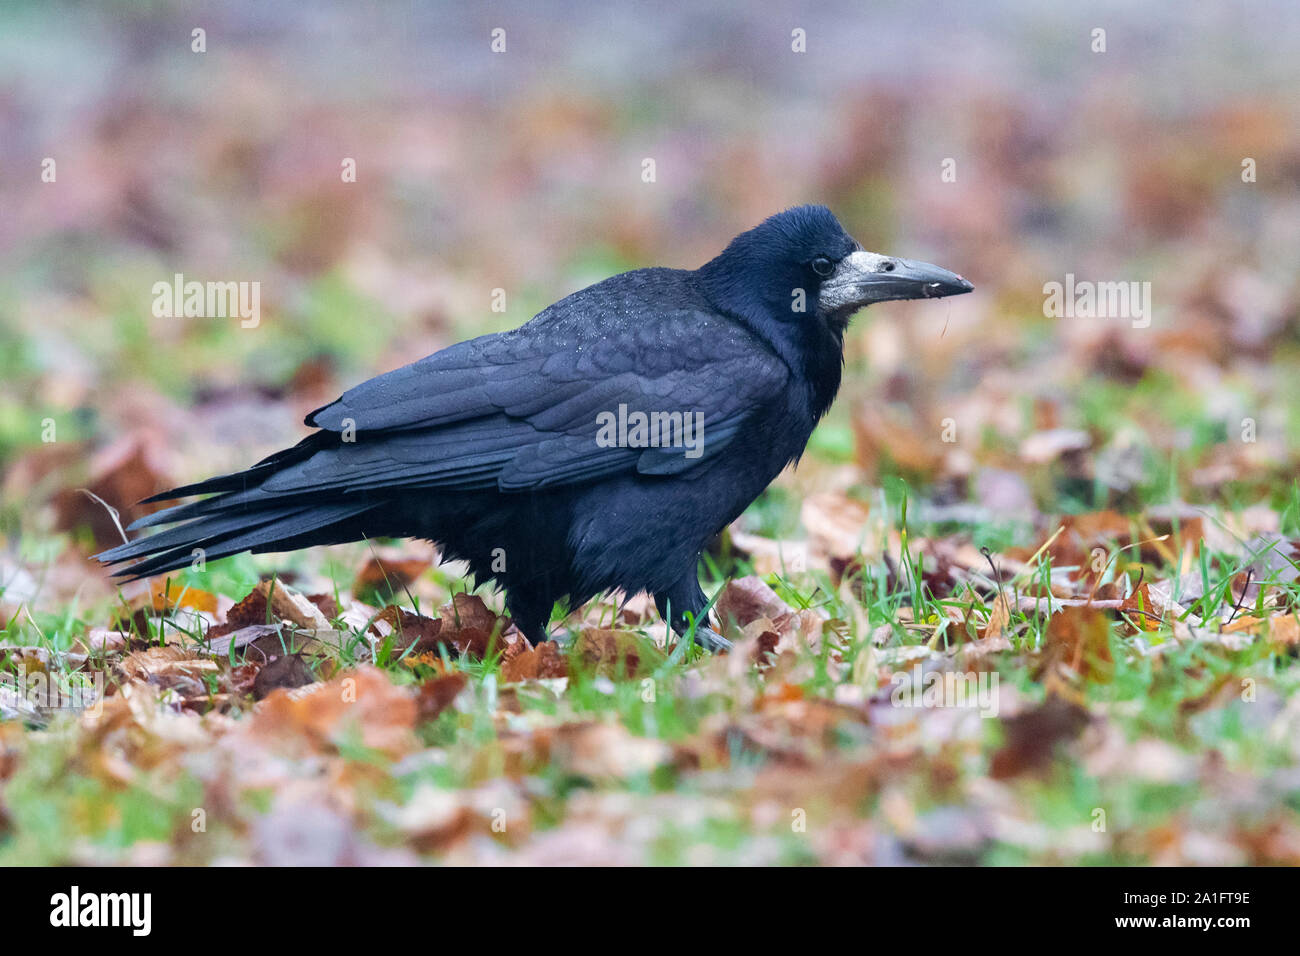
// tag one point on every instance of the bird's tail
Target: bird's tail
(238, 517)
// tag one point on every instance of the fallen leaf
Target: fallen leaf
(614, 653)
(286, 604)
(319, 716)
(745, 600)
(1284, 632)
(289, 670)
(606, 751)
(543, 662)
(470, 625)
(437, 695)
(1032, 737)
(999, 618)
(388, 574)
(1077, 646)
(411, 632)
(120, 476)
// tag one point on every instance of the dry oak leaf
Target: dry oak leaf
(543, 662)
(409, 630)
(363, 702)
(285, 603)
(745, 600)
(471, 626)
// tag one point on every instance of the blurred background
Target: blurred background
(522, 170)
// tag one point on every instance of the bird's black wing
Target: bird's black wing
(525, 409)
(520, 410)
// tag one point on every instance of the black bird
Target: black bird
(599, 446)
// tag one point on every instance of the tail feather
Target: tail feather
(248, 501)
(281, 528)
(241, 515)
(252, 477)
(197, 533)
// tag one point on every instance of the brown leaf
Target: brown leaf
(286, 604)
(121, 475)
(1284, 632)
(156, 662)
(745, 600)
(884, 437)
(1031, 738)
(1077, 644)
(436, 695)
(1142, 613)
(326, 603)
(542, 662)
(288, 670)
(614, 653)
(604, 751)
(471, 626)
(260, 642)
(319, 716)
(1081, 534)
(409, 630)
(170, 668)
(836, 525)
(388, 573)
(999, 618)
(757, 642)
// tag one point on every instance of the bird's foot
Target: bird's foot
(711, 640)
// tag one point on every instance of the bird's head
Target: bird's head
(800, 266)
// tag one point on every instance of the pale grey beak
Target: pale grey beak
(862, 278)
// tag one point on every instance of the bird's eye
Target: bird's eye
(823, 266)
(889, 265)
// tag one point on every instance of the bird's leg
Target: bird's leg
(685, 601)
(530, 616)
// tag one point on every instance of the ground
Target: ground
(1030, 597)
